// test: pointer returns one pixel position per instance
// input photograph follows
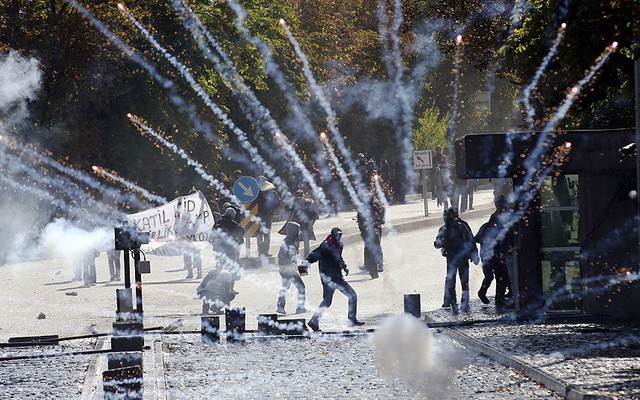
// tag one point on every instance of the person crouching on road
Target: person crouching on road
(216, 291)
(456, 242)
(288, 259)
(331, 264)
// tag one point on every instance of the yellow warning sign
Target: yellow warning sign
(250, 227)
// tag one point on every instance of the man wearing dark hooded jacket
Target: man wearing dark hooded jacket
(456, 242)
(331, 265)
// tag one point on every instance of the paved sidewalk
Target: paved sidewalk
(576, 359)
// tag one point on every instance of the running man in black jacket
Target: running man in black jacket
(331, 265)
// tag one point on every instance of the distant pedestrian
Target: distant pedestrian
(184, 224)
(456, 242)
(288, 260)
(433, 173)
(445, 185)
(305, 213)
(331, 264)
(371, 233)
(84, 260)
(494, 250)
(472, 184)
(113, 259)
(268, 202)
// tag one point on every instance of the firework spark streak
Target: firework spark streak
(526, 92)
(232, 78)
(222, 116)
(363, 194)
(199, 168)
(129, 185)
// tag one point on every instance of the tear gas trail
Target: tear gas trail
(336, 136)
(222, 116)
(575, 91)
(72, 172)
(534, 166)
(451, 129)
(199, 168)
(129, 185)
(235, 81)
(526, 92)
(383, 199)
(383, 23)
(451, 132)
(403, 120)
(272, 69)
(165, 83)
(532, 162)
(524, 99)
(341, 173)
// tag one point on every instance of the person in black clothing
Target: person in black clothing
(494, 251)
(371, 233)
(227, 235)
(305, 213)
(288, 259)
(457, 244)
(268, 202)
(331, 265)
(216, 290)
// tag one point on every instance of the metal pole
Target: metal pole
(127, 270)
(136, 260)
(637, 87)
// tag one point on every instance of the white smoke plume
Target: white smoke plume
(406, 350)
(20, 80)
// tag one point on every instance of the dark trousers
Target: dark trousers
(496, 267)
(287, 280)
(89, 269)
(373, 256)
(329, 286)
(461, 266)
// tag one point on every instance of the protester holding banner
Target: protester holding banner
(178, 228)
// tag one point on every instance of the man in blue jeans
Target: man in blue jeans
(456, 242)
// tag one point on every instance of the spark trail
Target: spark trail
(71, 172)
(536, 170)
(222, 116)
(235, 81)
(403, 119)
(526, 92)
(361, 193)
(524, 98)
(272, 69)
(199, 168)
(129, 185)
(165, 83)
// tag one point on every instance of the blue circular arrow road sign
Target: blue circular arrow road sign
(246, 189)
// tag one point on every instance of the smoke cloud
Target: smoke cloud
(20, 80)
(405, 349)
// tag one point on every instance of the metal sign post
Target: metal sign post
(423, 161)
